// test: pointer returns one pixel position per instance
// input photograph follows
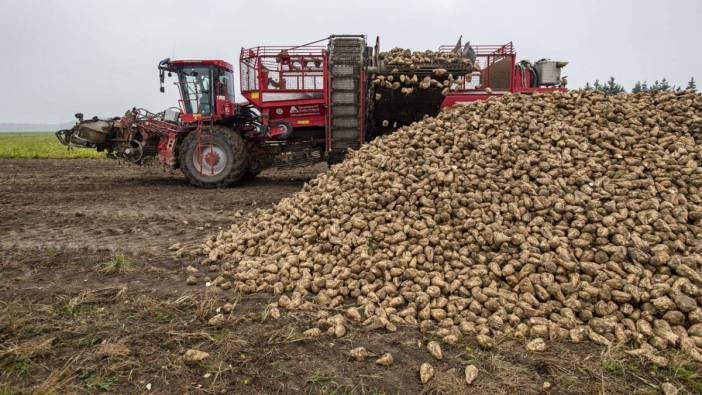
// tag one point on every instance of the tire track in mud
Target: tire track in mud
(102, 205)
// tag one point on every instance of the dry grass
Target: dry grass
(97, 296)
(6, 389)
(682, 371)
(28, 349)
(208, 304)
(445, 382)
(59, 378)
(112, 339)
(112, 350)
(119, 263)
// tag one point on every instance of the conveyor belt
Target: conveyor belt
(346, 62)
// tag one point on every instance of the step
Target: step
(344, 70)
(343, 98)
(344, 135)
(347, 59)
(344, 84)
(344, 122)
(341, 110)
(348, 51)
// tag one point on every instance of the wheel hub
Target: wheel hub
(210, 159)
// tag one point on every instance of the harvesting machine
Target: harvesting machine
(304, 104)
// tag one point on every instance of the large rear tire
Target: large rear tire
(216, 158)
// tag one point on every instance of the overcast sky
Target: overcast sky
(100, 57)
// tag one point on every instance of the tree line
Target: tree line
(612, 87)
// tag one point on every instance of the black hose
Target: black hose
(534, 77)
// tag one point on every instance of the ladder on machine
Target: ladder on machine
(347, 95)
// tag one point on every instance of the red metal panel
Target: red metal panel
(455, 98)
(541, 90)
(486, 57)
(282, 80)
(214, 62)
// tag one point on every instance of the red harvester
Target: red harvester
(304, 104)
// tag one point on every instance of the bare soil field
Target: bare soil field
(92, 300)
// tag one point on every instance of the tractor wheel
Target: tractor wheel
(214, 158)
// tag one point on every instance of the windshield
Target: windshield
(195, 88)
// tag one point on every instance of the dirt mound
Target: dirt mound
(563, 216)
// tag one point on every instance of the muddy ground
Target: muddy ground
(92, 300)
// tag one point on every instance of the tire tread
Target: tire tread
(240, 159)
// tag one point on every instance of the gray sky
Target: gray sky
(99, 57)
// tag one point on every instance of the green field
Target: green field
(40, 145)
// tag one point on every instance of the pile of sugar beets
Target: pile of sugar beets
(408, 71)
(412, 59)
(564, 216)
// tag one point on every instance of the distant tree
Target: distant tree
(611, 87)
(691, 84)
(637, 87)
(640, 87)
(661, 86)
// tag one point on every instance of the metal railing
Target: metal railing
(281, 68)
(487, 58)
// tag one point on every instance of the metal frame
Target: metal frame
(362, 86)
(487, 57)
(328, 113)
(306, 65)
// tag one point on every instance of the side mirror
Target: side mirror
(162, 89)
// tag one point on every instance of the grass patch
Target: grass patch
(119, 263)
(319, 376)
(675, 372)
(681, 371)
(6, 389)
(439, 340)
(40, 145)
(15, 367)
(321, 383)
(221, 334)
(86, 300)
(58, 378)
(95, 381)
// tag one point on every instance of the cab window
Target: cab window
(195, 88)
(225, 85)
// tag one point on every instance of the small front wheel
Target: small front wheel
(214, 158)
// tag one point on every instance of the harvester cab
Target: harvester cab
(206, 88)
